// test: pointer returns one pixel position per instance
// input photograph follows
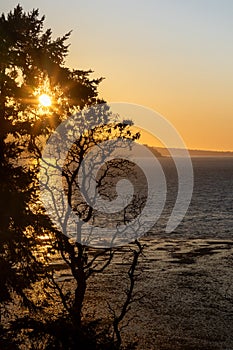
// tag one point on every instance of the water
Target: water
(210, 214)
(185, 276)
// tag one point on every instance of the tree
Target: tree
(30, 61)
(32, 64)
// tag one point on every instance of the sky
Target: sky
(174, 56)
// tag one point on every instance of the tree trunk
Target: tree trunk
(79, 297)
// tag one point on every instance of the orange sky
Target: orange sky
(174, 56)
(198, 101)
(202, 115)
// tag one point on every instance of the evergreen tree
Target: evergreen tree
(30, 64)
(33, 64)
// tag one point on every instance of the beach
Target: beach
(187, 295)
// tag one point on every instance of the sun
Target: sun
(45, 100)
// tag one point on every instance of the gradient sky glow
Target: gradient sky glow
(174, 56)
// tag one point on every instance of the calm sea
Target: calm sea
(210, 214)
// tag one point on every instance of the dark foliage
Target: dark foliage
(27, 56)
(32, 63)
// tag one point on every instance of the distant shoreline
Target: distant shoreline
(163, 152)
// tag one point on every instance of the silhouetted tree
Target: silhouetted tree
(32, 64)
